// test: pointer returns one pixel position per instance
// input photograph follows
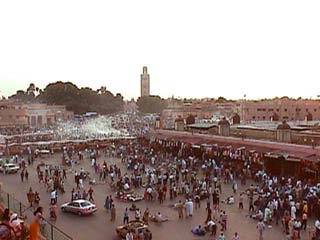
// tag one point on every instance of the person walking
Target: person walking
(90, 191)
(146, 216)
(251, 207)
(221, 236)
(35, 228)
(113, 213)
(22, 175)
(223, 220)
(138, 214)
(107, 204)
(126, 216)
(236, 236)
(209, 215)
(189, 208)
(30, 196)
(81, 183)
(53, 197)
(235, 187)
(261, 227)
(197, 201)
(26, 175)
(304, 221)
(241, 201)
(180, 209)
(36, 199)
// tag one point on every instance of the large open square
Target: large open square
(98, 226)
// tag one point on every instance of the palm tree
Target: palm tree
(102, 90)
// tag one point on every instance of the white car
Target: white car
(9, 168)
(80, 207)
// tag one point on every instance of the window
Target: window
(315, 110)
(307, 109)
(264, 118)
(298, 109)
(277, 109)
(270, 109)
(253, 117)
(74, 204)
(285, 110)
(85, 204)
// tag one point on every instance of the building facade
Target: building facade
(16, 116)
(42, 115)
(202, 111)
(145, 82)
(279, 109)
(12, 116)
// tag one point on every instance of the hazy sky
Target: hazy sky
(192, 48)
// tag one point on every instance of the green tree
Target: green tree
(28, 96)
(151, 104)
(81, 100)
(221, 100)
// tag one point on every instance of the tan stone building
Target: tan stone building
(169, 115)
(179, 124)
(16, 116)
(200, 110)
(283, 132)
(12, 116)
(279, 109)
(41, 115)
(305, 133)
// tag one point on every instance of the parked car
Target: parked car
(9, 168)
(131, 197)
(134, 225)
(80, 207)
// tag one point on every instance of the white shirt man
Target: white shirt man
(126, 186)
(293, 212)
(81, 183)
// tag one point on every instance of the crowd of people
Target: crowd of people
(102, 127)
(169, 170)
(13, 227)
(172, 168)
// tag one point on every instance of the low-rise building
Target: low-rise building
(279, 109)
(179, 124)
(16, 116)
(200, 110)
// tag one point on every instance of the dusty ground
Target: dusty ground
(98, 226)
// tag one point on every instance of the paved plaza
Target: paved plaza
(98, 226)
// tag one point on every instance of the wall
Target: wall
(287, 109)
(254, 134)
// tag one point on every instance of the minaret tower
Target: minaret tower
(145, 82)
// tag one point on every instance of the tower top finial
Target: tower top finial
(145, 69)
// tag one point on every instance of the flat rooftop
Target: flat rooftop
(268, 125)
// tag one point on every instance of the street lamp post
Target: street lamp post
(7, 148)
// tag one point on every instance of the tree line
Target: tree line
(82, 100)
(78, 100)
